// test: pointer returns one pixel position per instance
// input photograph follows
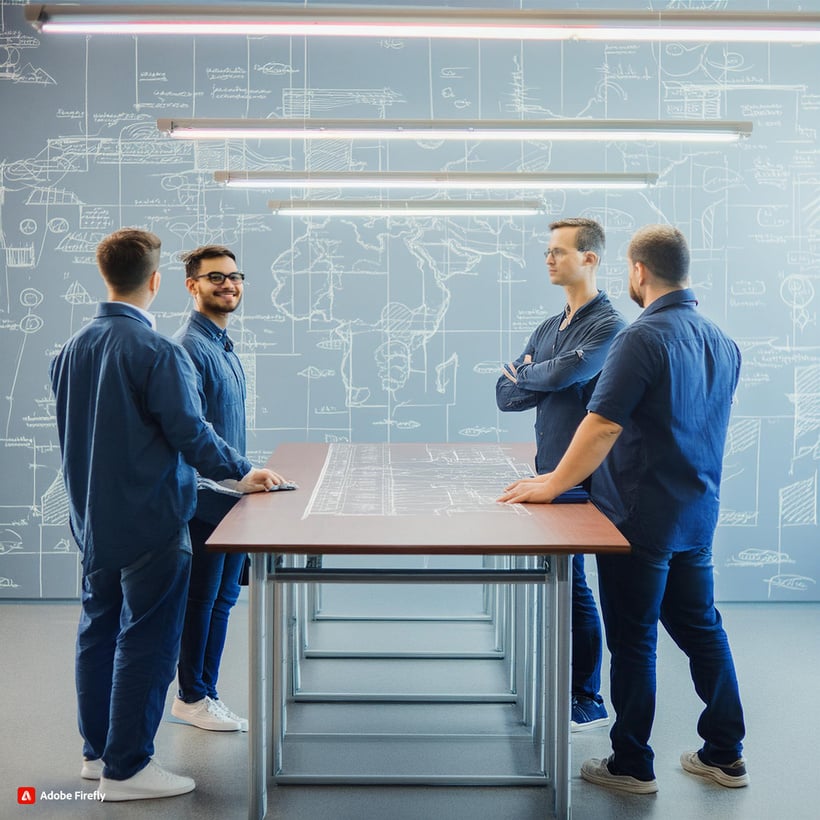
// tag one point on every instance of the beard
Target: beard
(216, 304)
(635, 296)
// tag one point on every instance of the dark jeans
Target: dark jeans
(127, 645)
(213, 591)
(586, 636)
(677, 588)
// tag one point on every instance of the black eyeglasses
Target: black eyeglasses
(216, 278)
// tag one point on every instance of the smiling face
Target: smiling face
(216, 302)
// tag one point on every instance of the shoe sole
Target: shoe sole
(209, 728)
(590, 724)
(628, 784)
(217, 727)
(113, 797)
(697, 767)
(111, 794)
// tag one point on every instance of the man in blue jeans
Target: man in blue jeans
(216, 286)
(658, 421)
(556, 374)
(131, 434)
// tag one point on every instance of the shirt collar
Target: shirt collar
(210, 328)
(593, 301)
(109, 308)
(674, 297)
(149, 316)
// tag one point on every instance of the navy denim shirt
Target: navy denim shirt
(221, 383)
(131, 431)
(560, 380)
(669, 381)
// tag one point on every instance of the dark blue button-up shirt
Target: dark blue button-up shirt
(669, 381)
(131, 432)
(560, 380)
(221, 383)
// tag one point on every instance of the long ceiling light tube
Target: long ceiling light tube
(432, 181)
(412, 207)
(533, 130)
(674, 25)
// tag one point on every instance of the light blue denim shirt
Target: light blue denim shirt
(221, 383)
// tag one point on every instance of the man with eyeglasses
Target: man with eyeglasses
(216, 286)
(132, 435)
(556, 374)
(655, 436)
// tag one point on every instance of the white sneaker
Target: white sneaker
(92, 769)
(148, 783)
(204, 714)
(223, 707)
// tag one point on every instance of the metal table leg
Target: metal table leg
(563, 691)
(259, 696)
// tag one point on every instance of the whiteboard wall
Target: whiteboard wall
(369, 329)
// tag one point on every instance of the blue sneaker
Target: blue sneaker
(587, 714)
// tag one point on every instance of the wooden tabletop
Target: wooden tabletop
(379, 499)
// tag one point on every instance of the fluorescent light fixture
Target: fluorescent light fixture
(675, 25)
(533, 130)
(411, 207)
(431, 181)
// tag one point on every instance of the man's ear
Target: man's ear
(154, 282)
(641, 272)
(191, 285)
(591, 258)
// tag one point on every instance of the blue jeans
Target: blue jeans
(677, 588)
(213, 591)
(127, 645)
(586, 636)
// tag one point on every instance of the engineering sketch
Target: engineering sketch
(358, 331)
(371, 479)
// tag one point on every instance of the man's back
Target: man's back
(126, 414)
(669, 381)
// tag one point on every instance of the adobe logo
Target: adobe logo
(26, 795)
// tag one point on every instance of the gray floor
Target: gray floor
(777, 652)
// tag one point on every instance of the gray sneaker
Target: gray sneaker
(731, 775)
(204, 714)
(595, 770)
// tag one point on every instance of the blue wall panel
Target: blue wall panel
(372, 330)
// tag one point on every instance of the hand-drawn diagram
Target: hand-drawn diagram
(369, 330)
(371, 479)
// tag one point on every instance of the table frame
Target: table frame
(246, 529)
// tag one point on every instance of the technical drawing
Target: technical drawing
(356, 330)
(370, 479)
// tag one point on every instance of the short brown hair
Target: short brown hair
(589, 237)
(663, 250)
(192, 259)
(127, 258)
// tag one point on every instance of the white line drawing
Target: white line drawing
(10, 541)
(371, 479)
(359, 329)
